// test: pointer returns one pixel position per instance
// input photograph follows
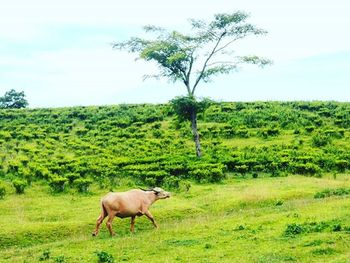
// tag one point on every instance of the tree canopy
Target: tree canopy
(199, 56)
(13, 100)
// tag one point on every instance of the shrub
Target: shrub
(2, 190)
(341, 165)
(58, 184)
(312, 227)
(82, 184)
(268, 132)
(242, 132)
(19, 185)
(320, 140)
(306, 169)
(335, 133)
(332, 192)
(172, 182)
(104, 257)
(310, 129)
(185, 185)
(157, 134)
(293, 229)
(45, 255)
(255, 175)
(72, 177)
(59, 259)
(207, 173)
(242, 169)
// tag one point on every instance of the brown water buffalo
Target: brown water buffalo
(129, 204)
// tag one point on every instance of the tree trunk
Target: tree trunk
(195, 133)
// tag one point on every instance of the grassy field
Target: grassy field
(241, 220)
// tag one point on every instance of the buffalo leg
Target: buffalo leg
(109, 224)
(98, 223)
(132, 224)
(150, 217)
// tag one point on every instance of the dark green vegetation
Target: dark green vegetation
(13, 100)
(243, 193)
(67, 148)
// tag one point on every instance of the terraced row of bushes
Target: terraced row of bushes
(73, 147)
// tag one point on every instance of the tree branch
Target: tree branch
(206, 61)
(188, 75)
(221, 62)
(227, 44)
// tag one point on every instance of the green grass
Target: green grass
(240, 220)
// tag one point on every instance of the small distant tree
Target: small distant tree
(196, 57)
(13, 100)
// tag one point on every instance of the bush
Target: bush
(306, 169)
(59, 259)
(72, 177)
(172, 182)
(269, 132)
(104, 257)
(82, 184)
(331, 192)
(242, 132)
(341, 165)
(2, 190)
(45, 255)
(310, 129)
(293, 229)
(207, 173)
(312, 227)
(19, 185)
(320, 140)
(58, 184)
(185, 185)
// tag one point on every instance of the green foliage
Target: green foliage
(320, 140)
(58, 183)
(207, 172)
(180, 57)
(19, 185)
(268, 132)
(82, 184)
(185, 106)
(59, 259)
(332, 192)
(145, 144)
(13, 100)
(294, 229)
(172, 182)
(324, 251)
(2, 190)
(311, 227)
(45, 255)
(104, 257)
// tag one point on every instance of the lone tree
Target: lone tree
(196, 57)
(13, 100)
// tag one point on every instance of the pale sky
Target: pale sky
(58, 51)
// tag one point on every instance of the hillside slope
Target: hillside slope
(149, 145)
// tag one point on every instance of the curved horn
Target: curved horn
(154, 189)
